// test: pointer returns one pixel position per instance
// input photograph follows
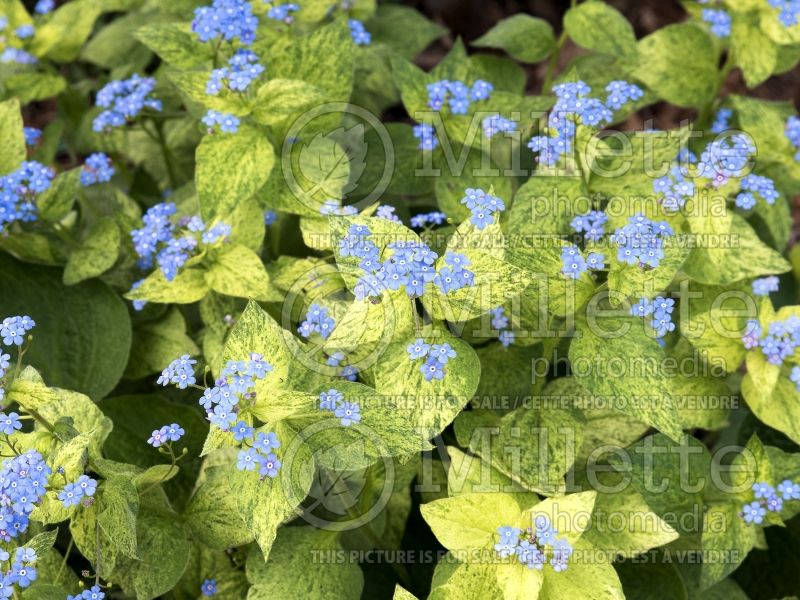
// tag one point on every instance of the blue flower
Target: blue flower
(530, 555)
(765, 285)
(432, 369)
(387, 212)
(350, 373)
(506, 338)
(242, 69)
(242, 431)
(96, 169)
(361, 37)
(282, 12)
(509, 538)
(180, 372)
(227, 122)
(789, 490)
(426, 135)
(317, 320)
(722, 120)
(418, 349)
(270, 217)
(595, 261)
(793, 133)
(482, 206)
(209, 587)
(13, 329)
(719, 20)
(247, 460)
(495, 124)
(87, 485)
(591, 224)
(174, 432)
(44, 6)
(25, 555)
(763, 490)
(622, 92)
(774, 503)
(9, 423)
(32, 135)
(157, 438)
(348, 413)
(640, 242)
(23, 575)
(93, 593)
(330, 400)
(25, 31)
(123, 101)
(573, 264)
(266, 442)
(71, 495)
(269, 465)
(442, 353)
(754, 513)
(229, 19)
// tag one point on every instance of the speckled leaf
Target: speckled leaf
(96, 253)
(238, 271)
(14, 151)
(526, 38)
(188, 287)
(600, 27)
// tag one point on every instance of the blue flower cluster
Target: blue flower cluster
(124, 100)
(74, 493)
(171, 245)
(230, 19)
(180, 372)
(44, 6)
(533, 548)
(13, 329)
(457, 94)
(765, 285)
(719, 20)
(209, 588)
(482, 205)
(781, 341)
(347, 412)
(97, 169)
(349, 372)
(18, 191)
(756, 184)
(789, 11)
(768, 499)
(333, 207)
(283, 12)
(385, 211)
(495, 124)
(500, 323)
(242, 70)
(426, 135)
(591, 224)
(573, 107)
(361, 37)
(237, 381)
(19, 56)
(660, 313)
(724, 158)
(32, 135)
(641, 241)
(166, 435)
(93, 593)
(22, 572)
(793, 133)
(23, 479)
(411, 266)
(432, 218)
(226, 121)
(436, 357)
(25, 31)
(318, 321)
(270, 217)
(573, 263)
(722, 120)
(260, 454)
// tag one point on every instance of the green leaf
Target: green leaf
(526, 38)
(211, 513)
(42, 542)
(118, 505)
(600, 27)
(238, 271)
(71, 455)
(755, 53)
(60, 38)
(174, 43)
(403, 29)
(678, 62)
(643, 389)
(96, 253)
(14, 151)
(231, 167)
(735, 535)
(279, 102)
(29, 87)
(83, 331)
(718, 265)
(292, 559)
(188, 286)
(431, 405)
(56, 202)
(157, 343)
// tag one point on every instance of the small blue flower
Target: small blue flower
(13, 329)
(96, 169)
(32, 135)
(596, 261)
(25, 31)
(247, 460)
(789, 490)
(209, 587)
(174, 432)
(441, 352)
(765, 285)
(44, 6)
(763, 490)
(317, 320)
(283, 12)
(506, 338)
(180, 372)
(348, 413)
(229, 19)
(71, 495)
(754, 513)
(418, 349)
(24, 575)
(157, 438)
(266, 442)
(269, 465)
(330, 400)
(432, 369)
(426, 135)
(573, 264)
(9, 423)
(227, 122)
(87, 485)
(360, 36)
(719, 20)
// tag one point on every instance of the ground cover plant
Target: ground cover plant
(292, 306)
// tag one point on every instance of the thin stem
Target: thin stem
(64, 561)
(173, 181)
